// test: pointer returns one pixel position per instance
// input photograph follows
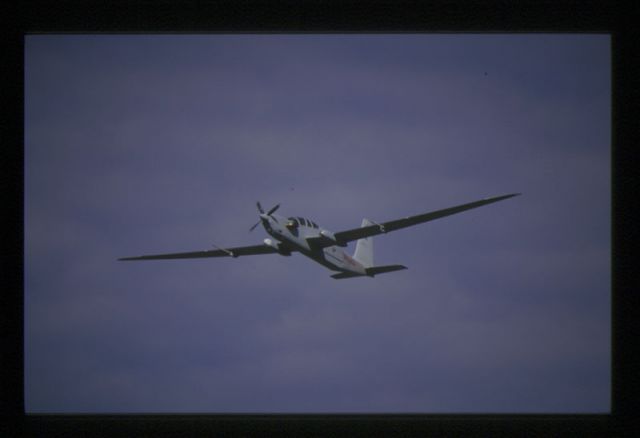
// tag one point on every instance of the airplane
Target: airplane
(298, 234)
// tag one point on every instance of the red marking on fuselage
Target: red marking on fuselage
(350, 260)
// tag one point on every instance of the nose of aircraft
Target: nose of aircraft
(264, 216)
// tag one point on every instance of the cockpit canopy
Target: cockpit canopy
(300, 221)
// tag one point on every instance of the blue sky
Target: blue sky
(145, 144)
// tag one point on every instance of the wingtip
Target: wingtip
(510, 195)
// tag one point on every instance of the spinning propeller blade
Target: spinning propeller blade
(273, 210)
(254, 227)
(269, 213)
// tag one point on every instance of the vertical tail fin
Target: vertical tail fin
(364, 248)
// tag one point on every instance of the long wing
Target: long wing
(385, 227)
(229, 252)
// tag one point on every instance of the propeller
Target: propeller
(262, 214)
(273, 210)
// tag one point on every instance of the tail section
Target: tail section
(341, 275)
(371, 272)
(364, 255)
(364, 248)
(383, 269)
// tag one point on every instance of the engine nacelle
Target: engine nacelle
(278, 247)
(328, 235)
(331, 238)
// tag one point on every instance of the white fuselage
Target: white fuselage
(293, 233)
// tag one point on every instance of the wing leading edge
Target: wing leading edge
(229, 252)
(385, 227)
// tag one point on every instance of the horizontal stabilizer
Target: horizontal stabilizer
(342, 275)
(370, 271)
(383, 269)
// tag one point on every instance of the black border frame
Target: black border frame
(242, 16)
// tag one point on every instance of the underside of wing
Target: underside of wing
(318, 242)
(229, 252)
(385, 227)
